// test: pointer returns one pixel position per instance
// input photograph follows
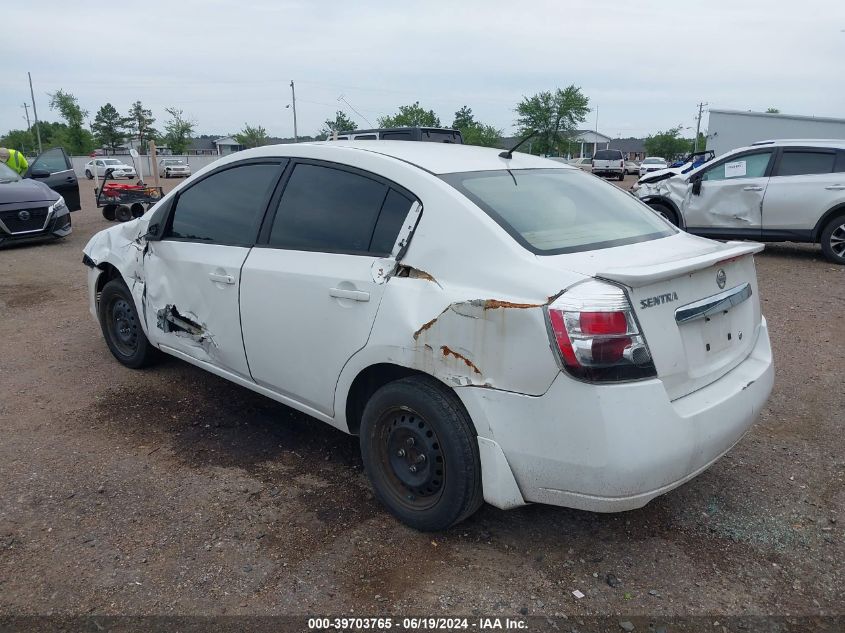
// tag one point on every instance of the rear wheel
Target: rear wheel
(665, 211)
(123, 213)
(108, 212)
(122, 327)
(89, 175)
(137, 210)
(420, 452)
(621, 176)
(833, 240)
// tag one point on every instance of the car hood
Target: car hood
(26, 190)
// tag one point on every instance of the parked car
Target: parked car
(609, 163)
(774, 191)
(112, 166)
(582, 163)
(495, 328)
(430, 134)
(652, 163)
(173, 168)
(632, 167)
(37, 207)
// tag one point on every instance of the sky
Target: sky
(644, 64)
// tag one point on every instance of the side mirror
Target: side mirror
(696, 186)
(158, 221)
(39, 173)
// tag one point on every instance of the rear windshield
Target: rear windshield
(552, 211)
(608, 154)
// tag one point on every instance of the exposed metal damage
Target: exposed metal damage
(168, 319)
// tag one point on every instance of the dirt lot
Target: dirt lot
(171, 491)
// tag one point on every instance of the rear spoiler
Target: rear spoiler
(637, 276)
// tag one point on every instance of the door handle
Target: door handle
(221, 279)
(355, 295)
(752, 188)
(835, 188)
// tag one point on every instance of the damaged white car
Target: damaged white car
(494, 326)
(773, 191)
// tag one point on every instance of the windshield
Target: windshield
(551, 211)
(7, 174)
(172, 162)
(651, 161)
(111, 161)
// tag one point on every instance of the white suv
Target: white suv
(493, 326)
(609, 162)
(774, 191)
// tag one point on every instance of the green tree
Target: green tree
(474, 132)
(76, 139)
(553, 115)
(668, 144)
(21, 140)
(140, 122)
(109, 127)
(341, 123)
(251, 136)
(411, 116)
(772, 111)
(178, 130)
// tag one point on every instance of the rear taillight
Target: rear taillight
(596, 335)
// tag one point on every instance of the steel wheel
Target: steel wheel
(122, 326)
(409, 453)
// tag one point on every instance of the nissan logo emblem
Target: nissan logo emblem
(24, 215)
(721, 278)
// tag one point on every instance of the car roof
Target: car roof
(436, 158)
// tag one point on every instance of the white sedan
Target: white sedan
(494, 327)
(652, 163)
(103, 166)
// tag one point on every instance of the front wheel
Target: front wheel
(122, 327)
(420, 452)
(666, 212)
(89, 175)
(833, 240)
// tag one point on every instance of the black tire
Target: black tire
(833, 240)
(108, 212)
(89, 175)
(123, 213)
(137, 209)
(122, 328)
(413, 417)
(665, 211)
(621, 177)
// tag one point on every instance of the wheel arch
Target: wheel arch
(828, 215)
(667, 202)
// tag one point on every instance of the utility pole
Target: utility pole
(35, 112)
(698, 127)
(25, 106)
(293, 99)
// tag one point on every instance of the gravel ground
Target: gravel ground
(171, 491)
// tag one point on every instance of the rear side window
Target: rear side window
(608, 154)
(748, 166)
(552, 211)
(800, 163)
(226, 207)
(393, 213)
(327, 209)
(396, 136)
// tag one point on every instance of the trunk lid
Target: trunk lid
(699, 323)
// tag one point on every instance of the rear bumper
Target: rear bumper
(614, 448)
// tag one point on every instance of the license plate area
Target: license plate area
(716, 340)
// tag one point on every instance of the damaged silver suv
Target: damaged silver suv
(494, 326)
(772, 191)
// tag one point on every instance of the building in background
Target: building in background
(632, 148)
(729, 129)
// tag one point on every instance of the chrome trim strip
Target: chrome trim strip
(46, 222)
(723, 301)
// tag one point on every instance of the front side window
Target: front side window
(804, 162)
(327, 209)
(226, 207)
(551, 211)
(747, 166)
(52, 160)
